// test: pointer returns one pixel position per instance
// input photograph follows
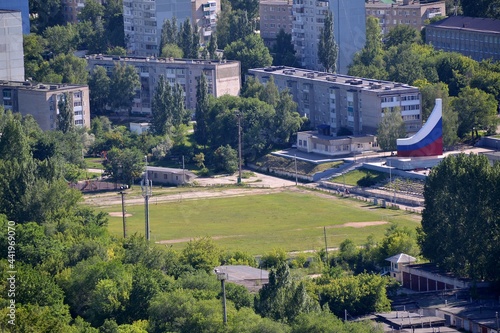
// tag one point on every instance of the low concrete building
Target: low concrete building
(312, 142)
(139, 128)
(42, 101)
(170, 176)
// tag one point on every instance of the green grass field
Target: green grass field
(94, 162)
(256, 224)
(353, 177)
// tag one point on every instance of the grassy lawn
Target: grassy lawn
(93, 162)
(288, 164)
(258, 223)
(354, 177)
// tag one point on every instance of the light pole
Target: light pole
(296, 179)
(123, 211)
(239, 147)
(146, 187)
(222, 277)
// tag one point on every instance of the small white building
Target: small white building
(170, 176)
(139, 128)
(312, 142)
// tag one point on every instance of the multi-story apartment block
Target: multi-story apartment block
(42, 101)
(275, 15)
(478, 38)
(349, 29)
(71, 8)
(143, 20)
(408, 12)
(11, 46)
(223, 77)
(23, 7)
(333, 101)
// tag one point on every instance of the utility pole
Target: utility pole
(296, 179)
(146, 187)
(123, 211)
(326, 248)
(221, 276)
(239, 147)
(183, 172)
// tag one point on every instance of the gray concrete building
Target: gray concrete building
(334, 101)
(11, 46)
(223, 77)
(349, 30)
(408, 12)
(41, 101)
(23, 7)
(275, 15)
(475, 37)
(143, 20)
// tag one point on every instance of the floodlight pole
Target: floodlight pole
(296, 178)
(222, 277)
(122, 193)
(239, 147)
(146, 187)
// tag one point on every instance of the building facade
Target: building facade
(143, 20)
(42, 101)
(275, 15)
(11, 46)
(408, 12)
(223, 77)
(478, 38)
(23, 7)
(334, 102)
(349, 25)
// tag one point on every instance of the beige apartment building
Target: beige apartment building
(275, 15)
(332, 102)
(42, 101)
(408, 12)
(223, 77)
(143, 20)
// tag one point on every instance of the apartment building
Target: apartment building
(408, 12)
(42, 101)
(478, 38)
(23, 7)
(223, 77)
(349, 30)
(275, 15)
(11, 46)
(143, 20)
(334, 101)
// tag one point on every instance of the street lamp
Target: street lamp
(146, 187)
(222, 277)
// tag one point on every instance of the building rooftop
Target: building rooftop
(402, 258)
(355, 82)
(469, 23)
(156, 59)
(28, 85)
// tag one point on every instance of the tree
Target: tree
(327, 47)
(188, 40)
(251, 7)
(99, 86)
(225, 159)
(481, 8)
(61, 39)
(172, 51)
(65, 118)
(403, 64)
(201, 111)
(71, 69)
(476, 110)
(90, 11)
(201, 253)
(45, 13)
(162, 99)
(169, 34)
(283, 51)
(460, 209)
(180, 115)
(125, 165)
(401, 34)
(124, 82)
(251, 52)
(212, 47)
(390, 128)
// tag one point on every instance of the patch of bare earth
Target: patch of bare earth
(119, 214)
(357, 224)
(187, 239)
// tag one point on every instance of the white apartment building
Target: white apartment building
(42, 101)
(143, 20)
(334, 101)
(223, 77)
(11, 46)
(349, 25)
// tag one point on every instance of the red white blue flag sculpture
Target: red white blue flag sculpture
(428, 141)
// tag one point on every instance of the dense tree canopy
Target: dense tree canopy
(390, 128)
(327, 46)
(460, 222)
(250, 51)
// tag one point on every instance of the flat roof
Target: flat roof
(28, 85)
(157, 59)
(469, 24)
(336, 79)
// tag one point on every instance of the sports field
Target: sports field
(292, 220)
